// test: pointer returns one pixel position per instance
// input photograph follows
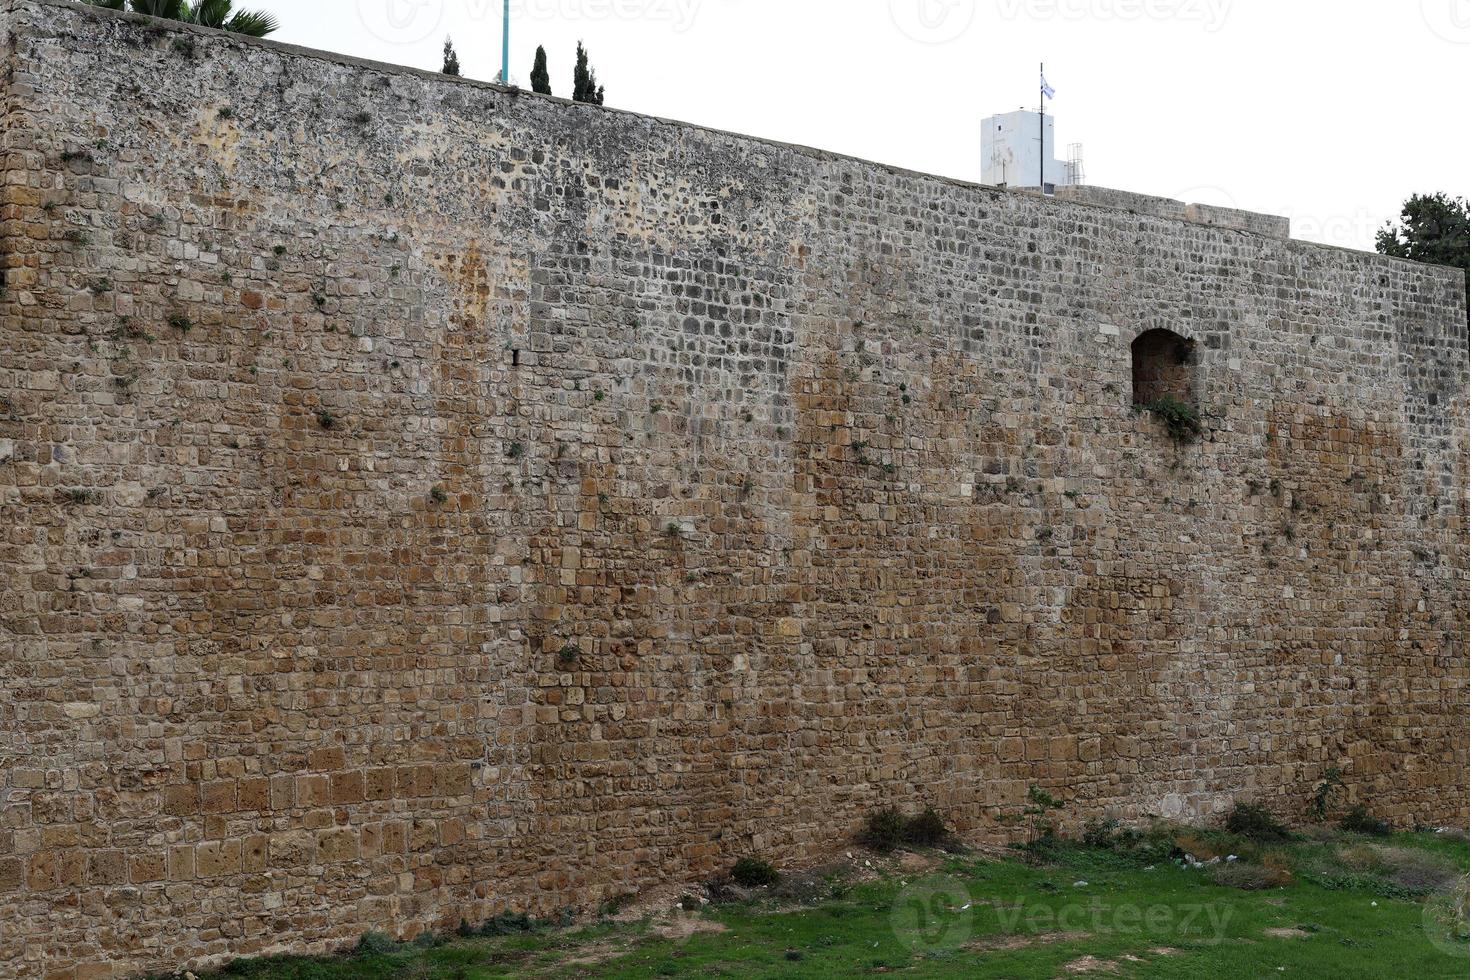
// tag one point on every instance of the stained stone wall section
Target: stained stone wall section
(420, 500)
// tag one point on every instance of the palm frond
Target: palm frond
(253, 23)
(207, 13)
(167, 9)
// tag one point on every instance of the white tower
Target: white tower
(1010, 152)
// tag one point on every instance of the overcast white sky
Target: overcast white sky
(1329, 111)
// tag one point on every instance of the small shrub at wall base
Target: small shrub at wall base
(888, 828)
(1255, 822)
(1100, 833)
(883, 831)
(1360, 821)
(752, 872)
(375, 943)
(926, 830)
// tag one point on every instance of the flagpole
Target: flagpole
(1042, 185)
(505, 48)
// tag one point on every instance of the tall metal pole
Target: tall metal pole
(1042, 185)
(505, 48)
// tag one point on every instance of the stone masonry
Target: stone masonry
(420, 500)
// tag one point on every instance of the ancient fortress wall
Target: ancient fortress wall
(419, 500)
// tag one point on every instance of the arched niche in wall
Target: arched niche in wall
(1163, 367)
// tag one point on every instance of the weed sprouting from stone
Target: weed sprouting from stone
(1181, 419)
(1322, 796)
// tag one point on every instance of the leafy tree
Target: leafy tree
(219, 14)
(584, 84)
(1431, 228)
(540, 77)
(451, 58)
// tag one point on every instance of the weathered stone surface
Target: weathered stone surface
(420, 500)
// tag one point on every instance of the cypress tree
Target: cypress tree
(584, 85)
(451, 59)
(540, 77)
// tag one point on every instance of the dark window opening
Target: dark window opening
(1163, 367)
(515, 358)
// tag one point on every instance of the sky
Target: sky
(1331, 112)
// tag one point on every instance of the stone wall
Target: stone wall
(420, 500)
(1232, 219)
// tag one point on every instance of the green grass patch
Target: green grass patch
(1127, 904)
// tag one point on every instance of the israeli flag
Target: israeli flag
(1046, 89)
